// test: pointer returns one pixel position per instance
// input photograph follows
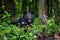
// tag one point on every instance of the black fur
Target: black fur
(24, 19)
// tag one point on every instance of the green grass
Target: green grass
(11, 32)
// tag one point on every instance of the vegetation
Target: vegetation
(11, 10)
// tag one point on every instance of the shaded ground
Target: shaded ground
(43, 36)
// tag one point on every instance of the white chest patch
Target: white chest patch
(22, 22)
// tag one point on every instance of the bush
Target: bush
(11, 32)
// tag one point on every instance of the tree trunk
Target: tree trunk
(42, 11)
(9, 7)
(0, 8)
(0, 4)
(1, 11)
(31, 5)
(24, 5)
(49, 8)
(55, 4)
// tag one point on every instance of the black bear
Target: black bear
(26, 19)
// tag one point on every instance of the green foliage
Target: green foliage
(11, 32)
(51, 27)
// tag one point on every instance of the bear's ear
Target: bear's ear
(32, 12)
(24, 12)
